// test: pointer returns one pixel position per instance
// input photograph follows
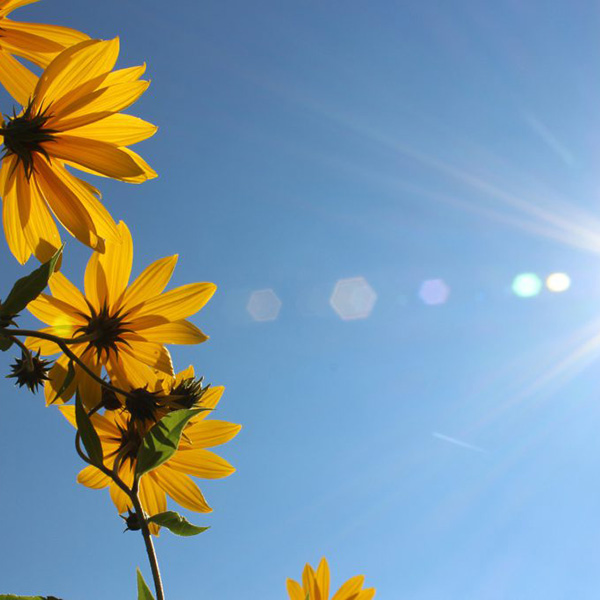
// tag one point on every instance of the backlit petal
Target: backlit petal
(201, 463)
(18, 80)
(181, 488)
(93, 478)
(211, 432)
(179, 303)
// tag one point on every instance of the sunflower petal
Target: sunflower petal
(179, 303)
(93, 478)
(150, 282)
(18, 80)
(212, 432)
(118, 129)
(176, 332)
(350, 588)
(201, 463)
(181, 488)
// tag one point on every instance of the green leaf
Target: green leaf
(29, 288)
(89, 437)
(5, 344)
(144, 592)
(67, 381)
(176, 523)
(162, 441)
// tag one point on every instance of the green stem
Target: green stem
(152, 558)
(62, 344)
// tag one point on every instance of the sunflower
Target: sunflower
(71, 118)
(315, 586)
(121, 433)
(122, 327)
(35, 42)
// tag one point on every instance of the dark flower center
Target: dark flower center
(143, 405)
(187, 394)
(25, 135)
(105, 329)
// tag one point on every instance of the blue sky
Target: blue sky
(447, 451)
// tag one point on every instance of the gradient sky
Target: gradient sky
(448, 451)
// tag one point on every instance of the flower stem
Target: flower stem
(62, 343)
(152, 558)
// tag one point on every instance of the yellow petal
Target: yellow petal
(183, 375)
(127, 372)
(294, 590)
(150, 283)
(80, 109)
(210, 399)
(87, 195)
(181, 488)
(10, 211)
(93, 478)
(212, 432)
(118, 496)
(66, 205)
(64, 290)
(56, 378)
(322, 578)
(100, 157)
(367, 594)
(94, 282)
(46, 347)
(74, 67)
(118, 129)
(89, 389)
(147, 172)
(154, 355)
(153, 499)
(54, 312)
(116, 263)
(38, 225)
(308, 580)
(350, 588)
(177, 332)
(7, 6)
(201, 463)
(18, 80)
(179, 303)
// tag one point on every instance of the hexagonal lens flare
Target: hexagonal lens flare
(353, 298)
(264, 305)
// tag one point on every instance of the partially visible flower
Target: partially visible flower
(70, 117)
(36, 42)
(123, 327)
(121, 435)
(315, 586)
(30, 370)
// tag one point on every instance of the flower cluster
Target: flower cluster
(147, 431)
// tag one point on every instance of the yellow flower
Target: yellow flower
(125, 326)
(315, 586)
(35, 42)
(121, 433)
(71, 119)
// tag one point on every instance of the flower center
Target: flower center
(25, 135)
(142, 405)
(105, 330)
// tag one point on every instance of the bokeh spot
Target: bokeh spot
(434, 291)
(558, 282)
(526, 285)
(353, 298)
(264, 305)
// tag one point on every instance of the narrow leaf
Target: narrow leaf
(89, 437)
(144, 592)
(29, 288)
(162, 441)
(176, 523)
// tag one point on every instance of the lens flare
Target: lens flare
(558, 282)
(526, 285)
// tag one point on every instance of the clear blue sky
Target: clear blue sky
(448, 451)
